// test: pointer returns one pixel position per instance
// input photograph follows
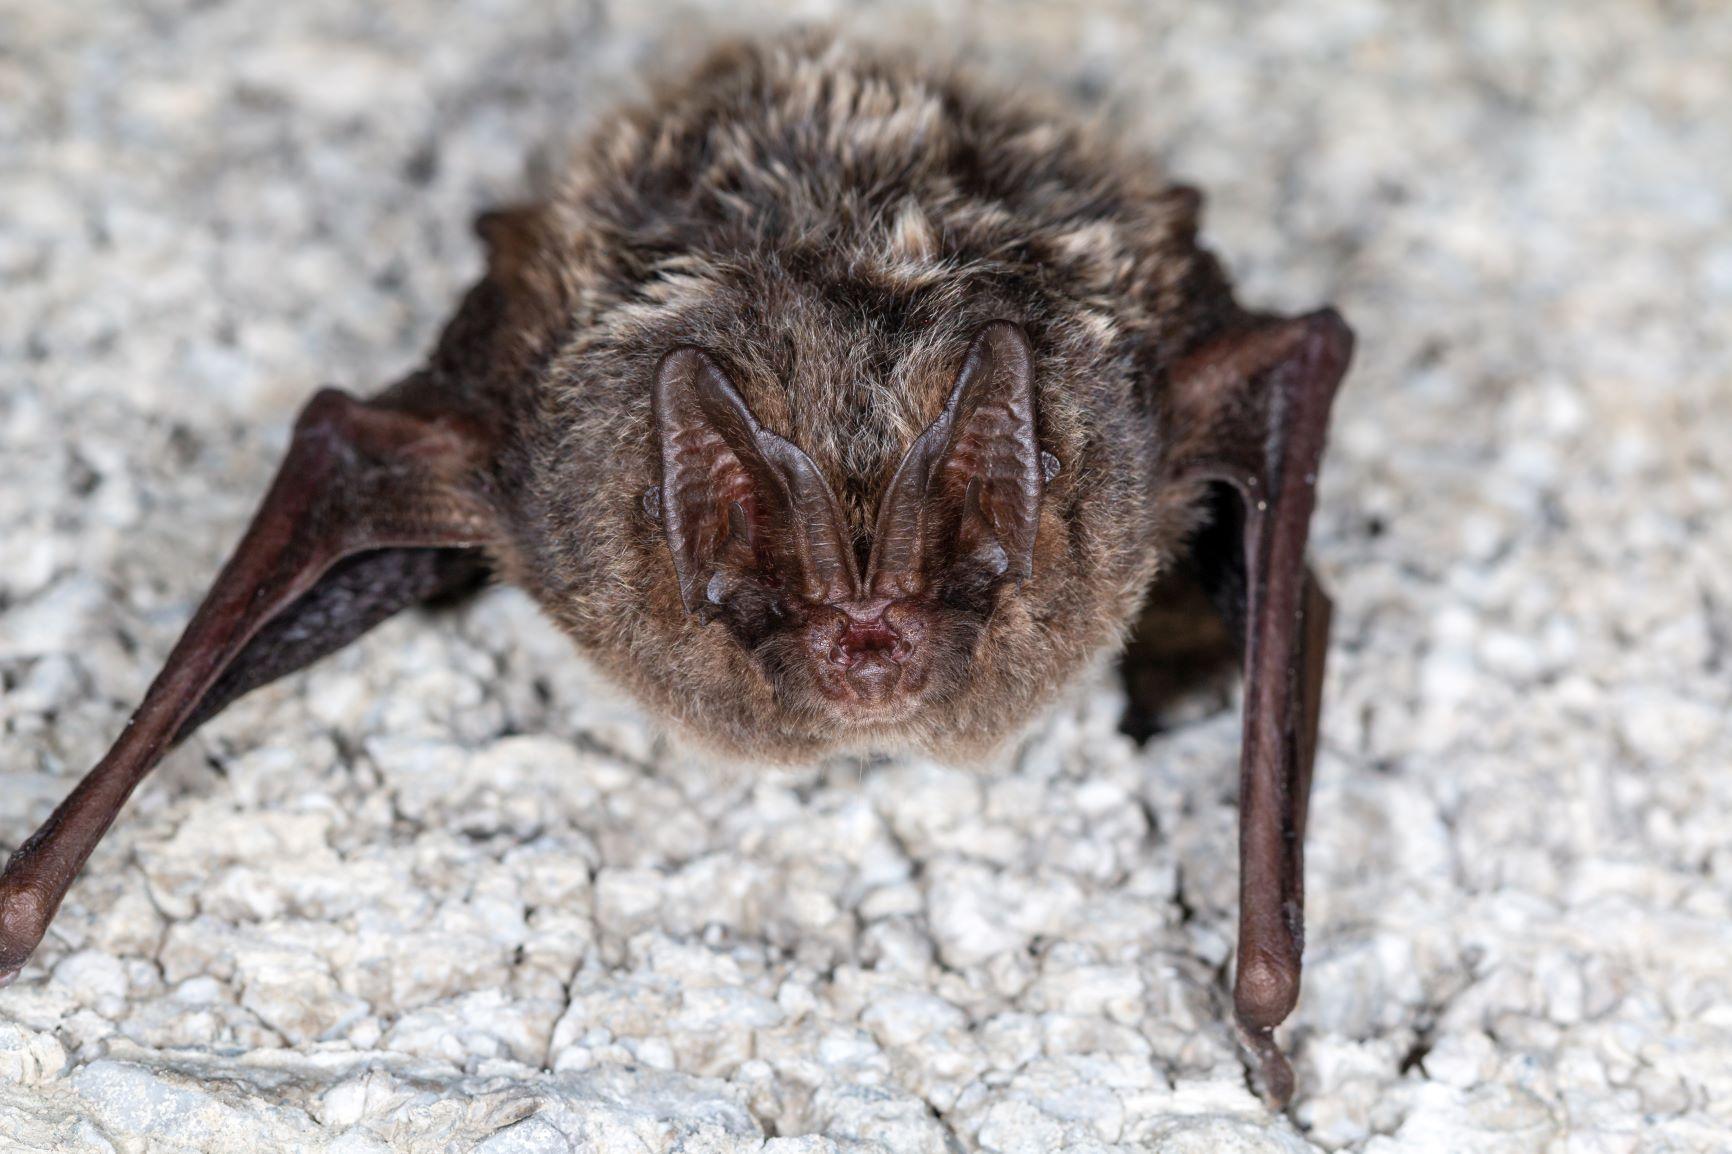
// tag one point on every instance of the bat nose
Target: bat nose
(865, 640)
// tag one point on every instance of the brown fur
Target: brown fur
(833, 228)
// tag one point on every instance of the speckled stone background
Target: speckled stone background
(448, 893)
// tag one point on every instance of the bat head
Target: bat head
(781, 463)
(861, 635)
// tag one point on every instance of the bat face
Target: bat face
(758, 541)
(882, 539)
(866, 492)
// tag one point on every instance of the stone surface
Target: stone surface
(447, 892)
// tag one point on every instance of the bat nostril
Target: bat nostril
(869, 639)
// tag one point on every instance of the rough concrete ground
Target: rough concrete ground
(446, 893)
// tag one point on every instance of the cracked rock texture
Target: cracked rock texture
(447, 892)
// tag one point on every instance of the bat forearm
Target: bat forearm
(364, 519)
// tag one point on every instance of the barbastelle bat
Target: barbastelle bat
(828, 404)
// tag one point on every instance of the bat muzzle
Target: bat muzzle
(868, 657)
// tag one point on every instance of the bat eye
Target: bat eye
(1049, 466)
(652, 503)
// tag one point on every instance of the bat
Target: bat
(829, 404)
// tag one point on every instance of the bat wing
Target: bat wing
(1250, 411)
(379, 505)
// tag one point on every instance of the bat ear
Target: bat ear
(965, 501)
(744, 510)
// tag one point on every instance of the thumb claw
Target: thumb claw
(1274, 1073)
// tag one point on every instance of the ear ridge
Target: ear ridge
(815, 530)
(894, 568)
(721, 469)
(979, 462)
(999, 433)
